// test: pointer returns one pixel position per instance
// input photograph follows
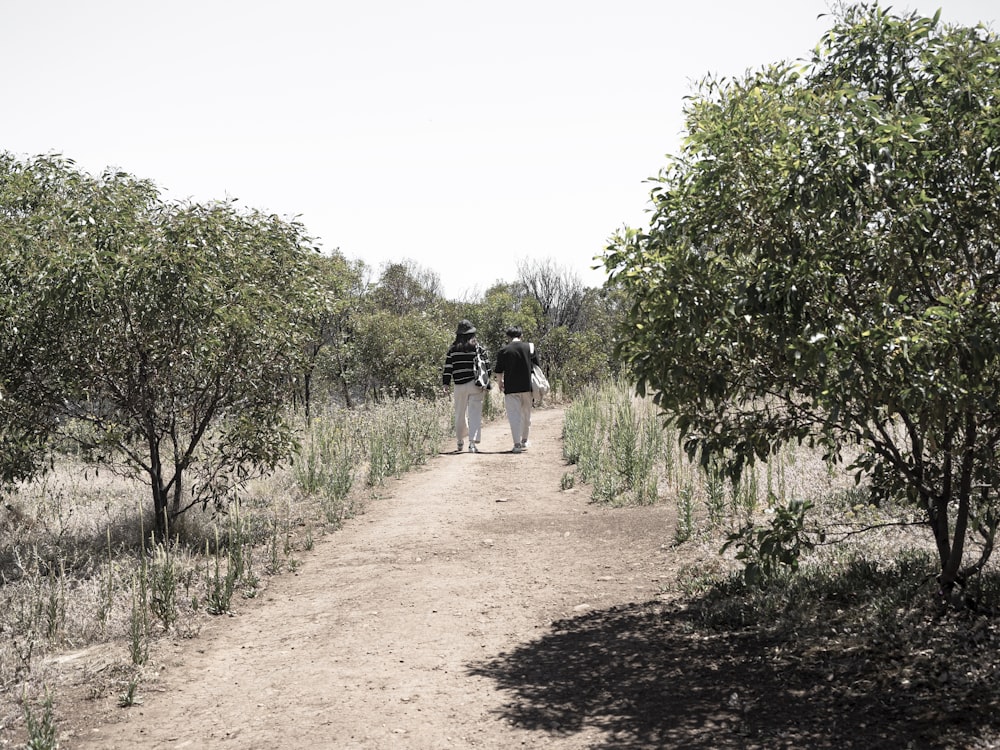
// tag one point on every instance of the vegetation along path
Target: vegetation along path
(477, 604)
(426, 622)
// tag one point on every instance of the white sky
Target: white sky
(461, 135)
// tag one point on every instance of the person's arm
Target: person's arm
(499, 372)
(446, 375)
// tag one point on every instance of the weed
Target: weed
(685, 515)
(129, 697)
(42, 733)
(139, 623)
(163, 586)
(765, 550)
(220, 581)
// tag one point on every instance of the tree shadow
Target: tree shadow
(649, 676)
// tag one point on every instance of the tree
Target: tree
(822, 265)
(162, 336)
(558, 291)
(399, 356)
(33, 197)
(502, 307)
(406, 287)
(332, 322)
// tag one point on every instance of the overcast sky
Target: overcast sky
(463, 136)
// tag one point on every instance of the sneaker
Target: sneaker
(524, 445)
(460, 446)
(473, 448)
(517, 448)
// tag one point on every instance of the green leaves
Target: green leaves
(822, 259)
(767, 550)
(171, 331)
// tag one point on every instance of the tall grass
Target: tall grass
(373, 443)
(616, 443)
(77, 566)
(622, 448)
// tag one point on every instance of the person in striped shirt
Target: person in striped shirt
(460, 369)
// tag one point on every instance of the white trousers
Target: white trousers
(518, 406)
(468, 412)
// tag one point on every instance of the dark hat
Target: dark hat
(465, 328)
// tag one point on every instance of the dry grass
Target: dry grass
(79, 570)
(74, 568)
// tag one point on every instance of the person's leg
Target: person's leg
(475, 416)
(512, 403)
(525, 418)
(461, 408)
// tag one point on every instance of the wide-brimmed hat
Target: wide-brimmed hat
(465, 328)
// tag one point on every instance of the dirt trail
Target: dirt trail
(399, 630)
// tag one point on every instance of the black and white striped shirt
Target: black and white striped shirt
(460, 364)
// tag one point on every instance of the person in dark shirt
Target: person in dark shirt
(513, 365)
(460, 369)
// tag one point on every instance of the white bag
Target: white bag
(539, 384)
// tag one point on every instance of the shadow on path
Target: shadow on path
(649, 676)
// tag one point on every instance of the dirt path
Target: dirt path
(399, 630)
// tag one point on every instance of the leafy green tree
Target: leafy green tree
(163, 337)
(332, 322)
(40, 222)
(399, 355)
(398, 335)
(822, 265)
(407, 287)
(502, 306)
(203, 330)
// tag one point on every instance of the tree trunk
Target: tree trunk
(160, 511)
(953, 564)
(161, 523)
(307, 394)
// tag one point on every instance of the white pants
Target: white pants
(518, 406)
(468, 412)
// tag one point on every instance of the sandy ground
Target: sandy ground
(426, 622)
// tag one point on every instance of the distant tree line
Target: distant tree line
(387, 338)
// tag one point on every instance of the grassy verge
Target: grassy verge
(815, 583)
(78, 569)
(620, 448)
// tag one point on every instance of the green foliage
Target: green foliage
(380, 441)
(822, 267)
(221, 574)
(329, 462)
(685, 514)
(765, 551)
(163, 584)
(401, 436)
(169, 330)
(330, 321)
(399, 355)
(130, 697)
(502, 306)
(573, 326)
(138, 626)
